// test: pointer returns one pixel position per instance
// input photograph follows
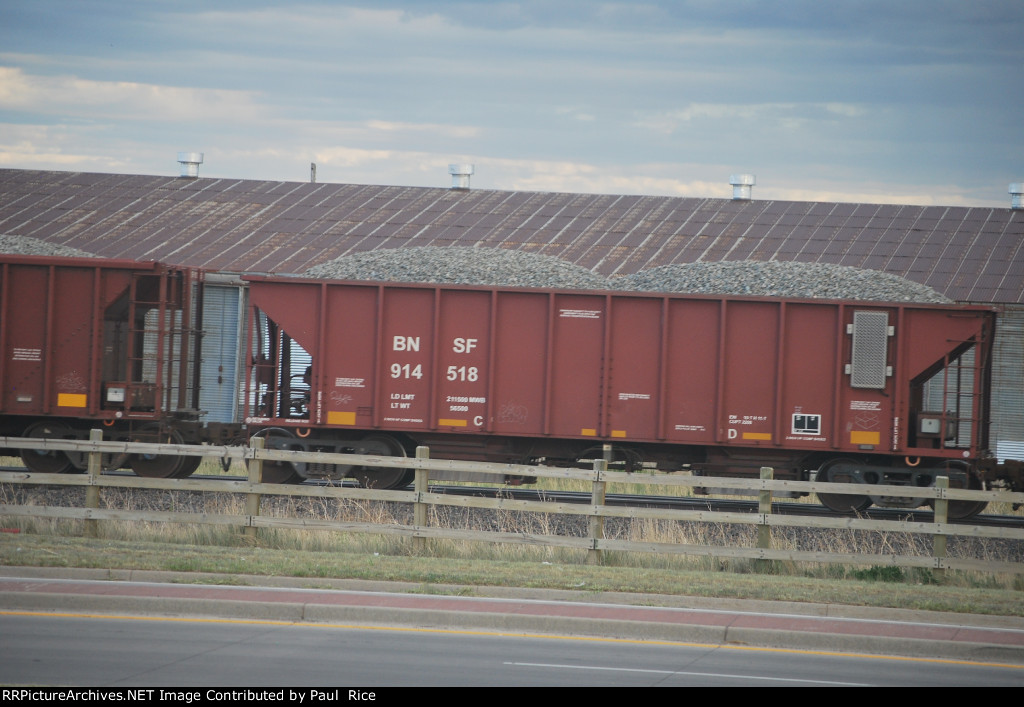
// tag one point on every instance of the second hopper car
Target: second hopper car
(849, 391)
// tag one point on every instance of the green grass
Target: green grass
(437, 572)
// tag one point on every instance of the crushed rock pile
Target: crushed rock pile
(779, 279)
(25, 245)
(516, 268)
(460, 265)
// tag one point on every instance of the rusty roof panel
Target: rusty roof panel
(874, 262)
(287, 226)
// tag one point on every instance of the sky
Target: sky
(912, 101)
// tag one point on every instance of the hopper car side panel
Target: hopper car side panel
(692, 353)
(89, 341)
(636, 364)
(576, 379)
(463, 360)
(748, 383)
(808, 377)
(406, 379)
(518, 362)
(55, 344)
(348, 376)
(86, 342)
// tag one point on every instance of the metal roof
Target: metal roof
(968, 254)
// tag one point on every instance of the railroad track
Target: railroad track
(720, 505)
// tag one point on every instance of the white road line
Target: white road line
(680, 672)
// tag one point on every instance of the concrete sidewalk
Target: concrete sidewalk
(823, 627)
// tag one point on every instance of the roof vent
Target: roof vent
(460, 175)
(1017, 195)
(190, 162)
(741, 186)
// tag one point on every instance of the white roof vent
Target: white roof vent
(190, 162)
(1017, 195)
(460, 175)
(741, 186)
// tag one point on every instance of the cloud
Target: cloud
(56, 147)
(847, 110)
(455, 131)
(788, 115)
(91, 99)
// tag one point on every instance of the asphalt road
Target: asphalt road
(146, 628)
(143, 651)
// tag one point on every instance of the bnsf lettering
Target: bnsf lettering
(464, 345)
(406, 343)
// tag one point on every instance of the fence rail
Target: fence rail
(596, 511)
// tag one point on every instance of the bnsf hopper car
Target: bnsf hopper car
(876, 393)
(849, 391)
(88, 342)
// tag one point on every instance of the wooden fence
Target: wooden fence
(596, 511)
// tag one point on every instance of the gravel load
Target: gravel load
(779, 279)
(516, 268)
(24, 245)
(500, 267)
(504, 267)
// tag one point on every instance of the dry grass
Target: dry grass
(509, 522)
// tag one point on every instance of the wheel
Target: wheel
(48, 461)
(188, 467)
(832, 472)
(160, 466)
(962, 510)
(378, 477)
(275, 472)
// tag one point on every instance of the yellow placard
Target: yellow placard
(618, 433)
(863, 437)
(587, 432)
(451, 423)
(335, 417)
(72, 400)
(758, 435)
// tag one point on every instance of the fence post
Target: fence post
(419, 508)
(941, 516)
(594, 555)
(252, 500)
(92, 491)
(764, 508)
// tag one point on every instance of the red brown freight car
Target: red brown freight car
(88, 342)
(867, 392)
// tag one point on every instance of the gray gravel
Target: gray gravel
(779, 279)
(24, 245)
(516, 268)
(460, 265)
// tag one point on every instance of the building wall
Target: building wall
(1007, 431)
